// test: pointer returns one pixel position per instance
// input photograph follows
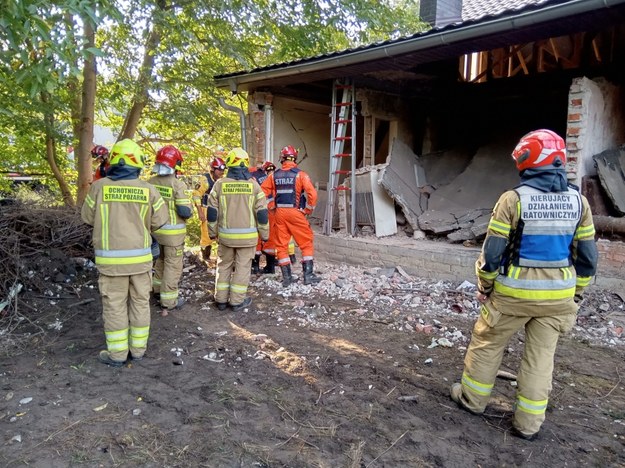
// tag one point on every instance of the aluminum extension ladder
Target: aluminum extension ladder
(343, 146)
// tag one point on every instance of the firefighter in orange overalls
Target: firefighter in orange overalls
(124, 210)
(100, 155)
(171, 236)
(294, 196)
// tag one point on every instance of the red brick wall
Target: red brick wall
(257, 147)
(575, 123)
(611, 257)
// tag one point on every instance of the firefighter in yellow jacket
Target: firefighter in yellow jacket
(170, 237)
(237, 215)
(538, 255)
(124, 211)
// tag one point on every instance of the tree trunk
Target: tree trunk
(85, 133)
(66, 193)
(73, 84)
(144, 80)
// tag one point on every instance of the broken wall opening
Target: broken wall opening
(447, 181)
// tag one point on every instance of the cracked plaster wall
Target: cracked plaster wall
(596, 122)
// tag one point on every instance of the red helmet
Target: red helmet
(218, 164)
(268, 166)
(538, 149)
(99, 151)
(170, 156)
(288, 152)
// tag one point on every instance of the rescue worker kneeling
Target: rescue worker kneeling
(123, 210)
(170, 237)
(538, 255)
(236, 215)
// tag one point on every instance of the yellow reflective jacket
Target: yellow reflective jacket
(174, 192)
(529, 291)
(124, 214)
(237, 203)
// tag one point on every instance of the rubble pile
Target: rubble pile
(348, 295)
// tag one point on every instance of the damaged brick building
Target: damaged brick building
(422, 126)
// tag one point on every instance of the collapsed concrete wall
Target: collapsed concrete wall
(401, 179)
(611, 169)
(450, 192)
(490, 172)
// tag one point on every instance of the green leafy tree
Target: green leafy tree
(145, 69)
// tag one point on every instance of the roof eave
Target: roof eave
(241, 81)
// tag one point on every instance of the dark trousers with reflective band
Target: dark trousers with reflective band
(126, 313)
(167, 273)
(233, 273)
(485, 353)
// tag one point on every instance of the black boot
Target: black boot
(293, 259)
(287, 277)
(270, 268)
(246, 302)
(309, 276)
(256, 265)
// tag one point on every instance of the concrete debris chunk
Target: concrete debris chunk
(466, 286)
(400, 180)
(611, 170)
(408, 304)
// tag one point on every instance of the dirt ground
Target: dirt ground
(303, 378)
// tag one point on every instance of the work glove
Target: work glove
(156, 249)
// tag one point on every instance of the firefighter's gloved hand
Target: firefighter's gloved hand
(307, 211)
(156, 250)
(578, 298)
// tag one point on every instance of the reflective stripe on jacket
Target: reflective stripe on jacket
(173, 191)
(546, 227)
(237, 203)
(286, 195)
(541, 290)
(302, 195)
(548, 221)
(123, 213)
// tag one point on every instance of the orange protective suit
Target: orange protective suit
(292, 193)
(100, 171)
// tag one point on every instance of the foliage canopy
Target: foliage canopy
(157, 60)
